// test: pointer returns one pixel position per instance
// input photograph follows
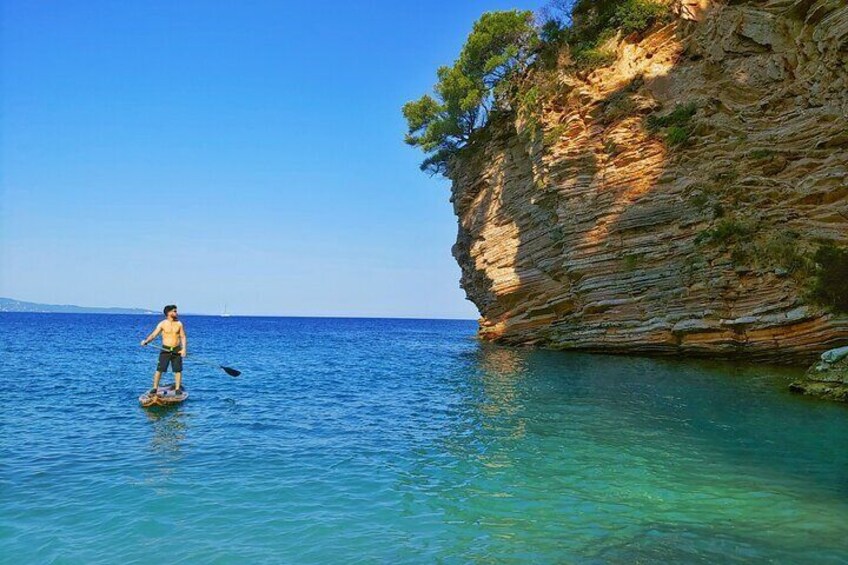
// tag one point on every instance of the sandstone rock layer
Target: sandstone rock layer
(594, 232)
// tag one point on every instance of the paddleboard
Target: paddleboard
(164, 396)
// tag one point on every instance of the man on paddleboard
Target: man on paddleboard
(173, 345)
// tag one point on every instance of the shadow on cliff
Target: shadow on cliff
(513, 278)
(586, 243)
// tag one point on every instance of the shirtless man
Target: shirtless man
(174, 341)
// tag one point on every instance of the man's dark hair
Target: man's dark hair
(169, 307)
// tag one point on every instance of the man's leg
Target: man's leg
(161, 367)
(177, 367)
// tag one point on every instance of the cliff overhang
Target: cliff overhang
(668, 202)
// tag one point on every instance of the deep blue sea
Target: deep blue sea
(403, 441)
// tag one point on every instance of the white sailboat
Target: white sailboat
(225, 314)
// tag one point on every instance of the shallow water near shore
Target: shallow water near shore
(404, 441)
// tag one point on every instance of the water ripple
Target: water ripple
(405, 441)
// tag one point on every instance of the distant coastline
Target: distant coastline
(12, 305)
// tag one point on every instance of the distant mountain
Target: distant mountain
(11, 305)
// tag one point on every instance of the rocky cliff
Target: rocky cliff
(670, 201)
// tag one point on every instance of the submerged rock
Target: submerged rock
(827, 378)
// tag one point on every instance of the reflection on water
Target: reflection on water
(501, 371)
(169, 425)
(626, 459)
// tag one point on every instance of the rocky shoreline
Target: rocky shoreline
(827, 378)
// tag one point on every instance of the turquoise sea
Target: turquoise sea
(404, 441)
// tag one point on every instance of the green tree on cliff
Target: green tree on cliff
(584, 23)
(499, 51)
(500, 46)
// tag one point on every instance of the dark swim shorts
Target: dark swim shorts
(171, 356)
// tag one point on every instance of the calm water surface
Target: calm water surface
(403, 441)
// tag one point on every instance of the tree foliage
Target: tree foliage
(830, 287)
(585, 24)
(507, 55)
(635, 16)
(500, 45)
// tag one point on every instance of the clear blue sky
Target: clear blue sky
(247, 153)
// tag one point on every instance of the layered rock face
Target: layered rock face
(597, 232)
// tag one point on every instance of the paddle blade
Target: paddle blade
(230, 371)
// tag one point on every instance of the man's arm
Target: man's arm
(153, 334)
(183, 340)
